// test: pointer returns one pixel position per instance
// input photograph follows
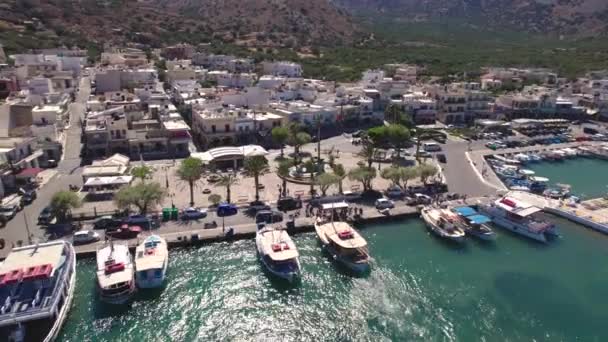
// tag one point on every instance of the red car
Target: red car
(124, 232)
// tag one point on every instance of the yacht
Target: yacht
(442, 224)
(36, 289)
(475, 223)
(519, 217)
(151, 260)
(278, 253)
(344, 244)
(115, 273)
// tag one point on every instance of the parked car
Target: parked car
(141, 221)
(424, 154)
(46, 215)
(51, 163)
(124, 232)
(193, 213)
(394, 192)
(85, 236)
(268, 216)
(258, 206)
(350, 196)
(289, 203)
(384, 203)
(422, 198)
(28, 195)
(106, 222)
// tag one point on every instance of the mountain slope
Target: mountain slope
(274, 23)
(569, 17)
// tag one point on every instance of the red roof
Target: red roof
(29, 172)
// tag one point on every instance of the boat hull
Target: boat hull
(289, 276)
(514, 227)
(119, 300)
(63, 313)
(481, 235)
(150, 282)
(433, 228)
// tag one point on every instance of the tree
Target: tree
(425, 171)
(227, 180)
(368, 152)
(311, 167)
(283, 172)
(190, 171)
(63, 202)
(325, 181)
(141, 196)
(393, 174)
(297, 138)
(398, 136)
(408, 174)
(215, 199)
(255, 167)
(340, 173)
(393, 114)
(142, 172)
(280, 136)
(365, 175)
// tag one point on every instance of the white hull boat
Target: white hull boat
(278, 253)
(344, 244)
(441, 224)
(115, 274)
(151, 260)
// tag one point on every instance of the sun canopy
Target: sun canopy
(100, 181)
(479, 219)
(336, 205)
(465, 211)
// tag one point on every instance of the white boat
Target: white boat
(36, 289)
(522, 157)
(519, 217)
(474, 223)
(442, 224)
(526, 172)
(344, 244)
(278, 253)
(115, 273)
(151, 260)
(535, 157)
(570, 152)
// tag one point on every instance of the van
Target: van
(431, 146)
(10, 206)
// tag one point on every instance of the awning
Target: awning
(100, 181)
(465, 211)
(29, 172)
(336, 205)
(479, 219)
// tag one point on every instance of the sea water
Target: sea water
(420, 288)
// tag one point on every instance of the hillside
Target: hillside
(276, 23)
(581, 18)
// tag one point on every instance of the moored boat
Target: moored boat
(344, 244)
(520, 218)
(151, 260)
(36, 289)
(441, 224)
(278, 253)
(475, 223)
(115, 273)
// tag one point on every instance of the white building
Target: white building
(288, 69)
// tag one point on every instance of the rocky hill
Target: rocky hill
(275, 23)
(565, 17)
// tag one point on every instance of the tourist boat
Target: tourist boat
(441, 224)
(151, 260)
(278, 253)
(115, 273)
(519, 217)
(475, 223)
(344, 244)
(36, 289)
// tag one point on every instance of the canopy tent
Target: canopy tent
(102, 181)
(479, 219)
(29, 172)
(465, 211)
(229, 153)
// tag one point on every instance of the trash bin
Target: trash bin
(166, 214)
(174, 213)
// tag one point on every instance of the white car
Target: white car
(84, 237)
(384, 203)
(423, 199)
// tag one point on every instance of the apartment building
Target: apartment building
(288, 69)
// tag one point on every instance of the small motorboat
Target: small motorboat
(442, 224)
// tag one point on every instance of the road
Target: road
(68, 173)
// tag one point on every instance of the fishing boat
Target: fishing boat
(344, 244)
(441, 224)
(526, 172)
(151, 260)
(520, 218)
(36, 289)
(522, 157)
(278, 253)
(115, 273)
(534, 157)
(538, 184)
(475, 223)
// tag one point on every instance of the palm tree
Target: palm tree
(340, 172)
(227, 180)
(142, 172)
(280, 136)
(190, 171)
(283, 172)
(255, 167)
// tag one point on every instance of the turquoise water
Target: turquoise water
(420, 288)
(588, 177)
